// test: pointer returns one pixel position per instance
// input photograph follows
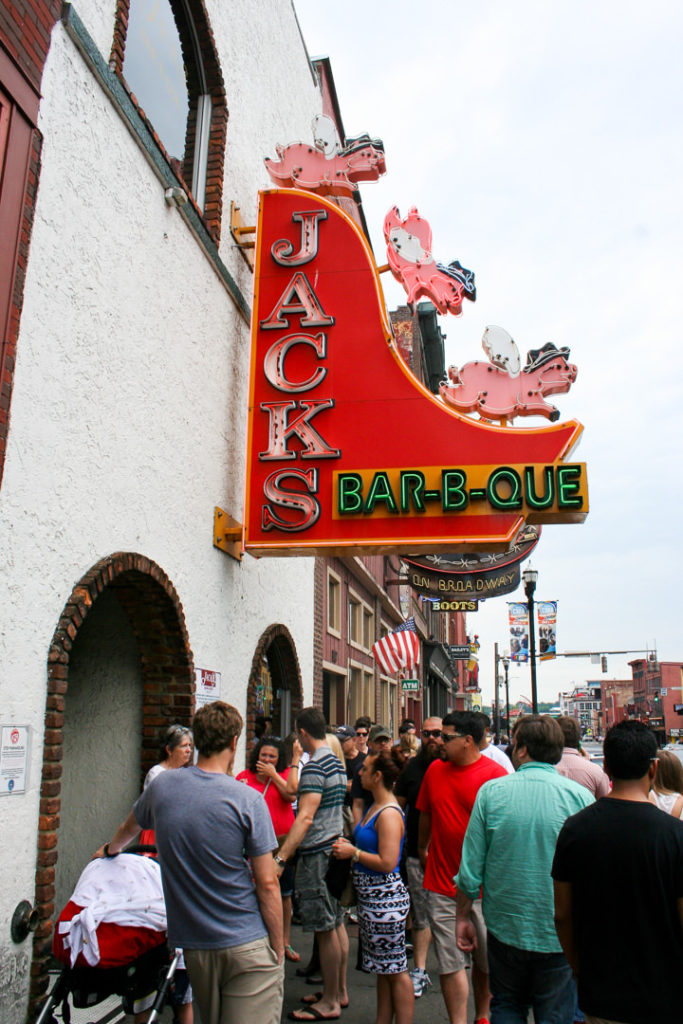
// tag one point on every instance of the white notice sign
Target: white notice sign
(14, 746)
(208, 686)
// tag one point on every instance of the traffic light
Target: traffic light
(603, 662)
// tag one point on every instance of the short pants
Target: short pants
(418, 896)
(441, 911)
(318, 909)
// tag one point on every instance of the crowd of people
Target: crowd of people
(540, 882)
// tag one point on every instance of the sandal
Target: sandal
(311, 1013)
(315, 997)
(291, 954)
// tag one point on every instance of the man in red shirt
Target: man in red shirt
(445, 802)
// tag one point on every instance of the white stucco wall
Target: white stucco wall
(129, 405)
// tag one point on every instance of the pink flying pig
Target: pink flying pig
(409, 252)
(328, 167)
(500, 389)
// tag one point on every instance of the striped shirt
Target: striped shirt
(324, 774)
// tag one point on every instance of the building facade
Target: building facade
(657, 694)
(360, 604)
(584, 703)
(128, 133)
(617, 701)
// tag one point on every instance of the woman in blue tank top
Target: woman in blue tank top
(383, 900)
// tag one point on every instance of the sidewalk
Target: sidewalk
(429, 1008)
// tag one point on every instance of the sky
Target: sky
(543, 143)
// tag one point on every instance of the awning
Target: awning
(438, 663)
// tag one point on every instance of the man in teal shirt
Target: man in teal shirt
(508, 849)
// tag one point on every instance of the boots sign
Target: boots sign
(347, 452)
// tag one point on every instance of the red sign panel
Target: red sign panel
(347, 451)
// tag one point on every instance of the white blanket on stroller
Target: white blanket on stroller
(124, 890)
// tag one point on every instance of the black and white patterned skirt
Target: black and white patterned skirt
(383, 905)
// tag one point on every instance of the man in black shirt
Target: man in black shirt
(406, 792)
(622, 858)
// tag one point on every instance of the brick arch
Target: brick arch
(280, 639)
(153, 609)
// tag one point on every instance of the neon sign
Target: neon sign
(347, 451)
(328, 166)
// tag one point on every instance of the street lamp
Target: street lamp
(496, 699)
(530, 576)
(506, 666)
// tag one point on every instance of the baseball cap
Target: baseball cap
(379, 732)
(345, 732)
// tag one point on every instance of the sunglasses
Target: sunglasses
(432, 732)
(359, 732)
(448, 736)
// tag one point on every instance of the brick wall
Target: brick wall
(319, 605)
(25, 32)
(337, 650)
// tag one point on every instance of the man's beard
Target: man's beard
(429, 751)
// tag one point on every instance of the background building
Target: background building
(421, 342)
(656, 692)
(584, 703)
(360, 603)
(652, 695)
(617, 701)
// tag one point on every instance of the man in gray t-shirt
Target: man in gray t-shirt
(223, 909)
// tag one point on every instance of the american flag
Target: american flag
(399, 649)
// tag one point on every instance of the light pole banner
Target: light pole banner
(547, 629)
(473, 665)
(518, 614)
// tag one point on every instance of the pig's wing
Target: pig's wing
(501, 349)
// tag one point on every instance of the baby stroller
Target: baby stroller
(111, 938)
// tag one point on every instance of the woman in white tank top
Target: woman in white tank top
(667, 790)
